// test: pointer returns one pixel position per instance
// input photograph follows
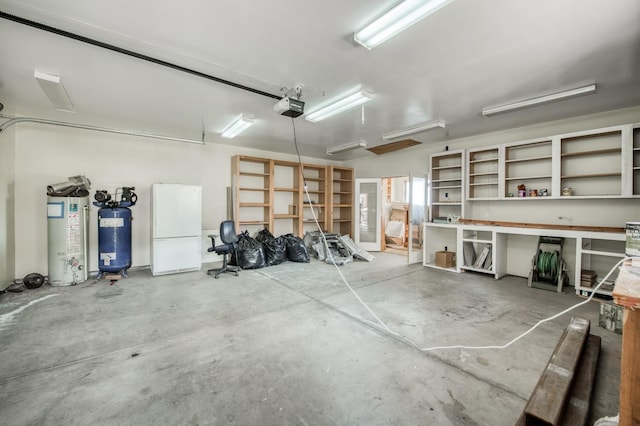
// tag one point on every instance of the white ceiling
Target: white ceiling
(469, 55)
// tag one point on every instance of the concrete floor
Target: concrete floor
(284, 345)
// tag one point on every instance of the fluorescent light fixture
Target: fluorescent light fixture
(238, 126)
(397, 19)
(414, 129)
(553, 97)
(338, 106)
(346, 147)
(55, 91)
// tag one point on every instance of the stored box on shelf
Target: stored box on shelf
(445, 259)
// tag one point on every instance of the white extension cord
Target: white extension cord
(381, 325)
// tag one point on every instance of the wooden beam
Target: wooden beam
(547, 403)
(577, 410)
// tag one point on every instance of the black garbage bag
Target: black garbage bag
(275, 249)
(296, 250)
(250, 252)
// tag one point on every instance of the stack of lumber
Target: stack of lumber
(563, 393)
(587, 278)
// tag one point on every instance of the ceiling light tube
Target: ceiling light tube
(353, 100)
(414, 129)
(238, 126)
(553, 97)
(55, 91)
(346, 147)
(397, 19)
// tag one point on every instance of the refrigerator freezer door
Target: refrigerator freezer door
(177, 210)
(172, 255)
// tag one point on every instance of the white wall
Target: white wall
(46, 154)
(610, 212)
(7, 247)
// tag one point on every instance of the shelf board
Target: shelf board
(341, 220)
(313, 221)
(313, 179)
(446, 203)
(483, 184)
(483, 174)
(342, 206)
(307, 205)
(471, 268)
(253, 222)
(593, 152)
(590, 290)
(603, 253)
(592, 175)
(457, 166)
(285, 216)
(254, 204)
(342, 192)
(447, 186)
(287, 189)
(434, 266)
(521, 160)
(483, 160)
(254, 174)
(528, 177)
(474, 240)
(254, 189)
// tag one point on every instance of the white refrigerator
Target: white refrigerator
(176, 220)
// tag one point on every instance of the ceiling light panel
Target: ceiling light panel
(238, 126)
(439, 124)
(397, 19)
(346, 147)
(55, 91)
(530, 102)
(340, 105)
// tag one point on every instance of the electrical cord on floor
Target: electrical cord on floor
(383, 327)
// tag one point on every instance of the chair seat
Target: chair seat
(223, 248)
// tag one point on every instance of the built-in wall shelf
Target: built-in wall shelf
(600, 163)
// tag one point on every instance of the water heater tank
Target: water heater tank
(68, 239)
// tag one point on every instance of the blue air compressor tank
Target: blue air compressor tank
(114, 239)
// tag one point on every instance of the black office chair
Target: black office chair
(228, 246)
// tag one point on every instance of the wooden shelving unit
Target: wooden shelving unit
(252, 177)
(269, 194)
(341, 202)
(316, 179)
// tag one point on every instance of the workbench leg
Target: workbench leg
(630, 369)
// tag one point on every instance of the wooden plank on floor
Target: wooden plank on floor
(577, 410)
(546, 405)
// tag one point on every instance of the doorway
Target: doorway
(395, 215)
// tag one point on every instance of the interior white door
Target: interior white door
(368, 214)
(417, 210)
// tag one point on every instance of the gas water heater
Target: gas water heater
(68, 231)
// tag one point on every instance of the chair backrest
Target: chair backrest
(228, 232)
